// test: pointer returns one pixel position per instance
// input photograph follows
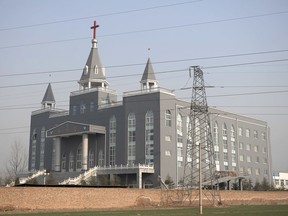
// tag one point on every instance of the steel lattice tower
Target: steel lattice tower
(200, 168)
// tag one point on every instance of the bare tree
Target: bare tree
(17, 161)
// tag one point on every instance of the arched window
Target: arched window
(149, 138)
(168, 118)
(224, 137)
(33, 149)
(91, 158)
(180, 159)
(71, 161)
(79, 158)
(233, 146)
(42, 148)
(189, 140)
(131, 138)
(101, 158)
(63, 162)
(112, 141)
(216, 134)
(96, 69)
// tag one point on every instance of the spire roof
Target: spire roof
(93, 73)
(148, 74)
(49, 96)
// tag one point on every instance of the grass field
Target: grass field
(232, 210)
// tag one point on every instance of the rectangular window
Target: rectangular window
(263, 134)
(167, 153)
(241, 157)
(257, 171)
(248, 158)
(241, 145)
(240, 131)
(168, 138)
(256, 148)
(247, 133)
(248, 147)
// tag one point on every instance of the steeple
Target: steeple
(148, 80)
(48, 101)
(93, 75)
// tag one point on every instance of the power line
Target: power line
(165, 62)
(148, 30)
(100, 15)
(171, 71)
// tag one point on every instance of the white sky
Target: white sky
(194, 29)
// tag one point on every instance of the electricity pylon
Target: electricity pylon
(200, 168)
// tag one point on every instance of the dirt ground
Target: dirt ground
(51, 199)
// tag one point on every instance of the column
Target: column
(57, 144)
(139, 179)
(84, 151)
(240, 184)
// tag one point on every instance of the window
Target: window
(247, 133)
(168, 153)
(79, 158)
(74, 111)
(71, 161)
(232, 132)
(189, 139)
(265, 160)
(224, 134)
(168, 138)
(257, 159)
(180, 153)
(92, 105)
(216, 134)
(263, 135)
(131, 138)
(249, 170)
(225, 155)
(149, 138)
(112, 141)
(255, 134)
(241, 145)
(91, 158)
(86, 69)
(248, 147)
(101, 158)
(241, 158)
(240, 131)
(82, 108)
(95, 69)
(168, 118)
(257, 171)
(42, 148)
(224, 130)
(248, 158)
(256, 148)
(264, 150)
(63, 162)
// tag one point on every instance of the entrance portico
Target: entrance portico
(70, 129)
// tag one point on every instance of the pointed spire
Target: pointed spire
(48, 99)
(148, 80)
(93, 75)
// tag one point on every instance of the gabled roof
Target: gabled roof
(93, 69)
(49, 96)
(148, 74)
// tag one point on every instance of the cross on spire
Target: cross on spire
(94, 29)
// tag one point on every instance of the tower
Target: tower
(200, 168)
(148, 80)
(48, 101)
(93, 75)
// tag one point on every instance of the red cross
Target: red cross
(94, 28)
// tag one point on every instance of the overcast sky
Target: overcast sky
(247, 39)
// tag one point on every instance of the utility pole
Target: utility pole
(199, 170)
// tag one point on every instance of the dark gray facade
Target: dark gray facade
(148, 127)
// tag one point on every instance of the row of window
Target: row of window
(280, 182)
(233, 133)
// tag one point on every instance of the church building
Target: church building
(139, 138)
